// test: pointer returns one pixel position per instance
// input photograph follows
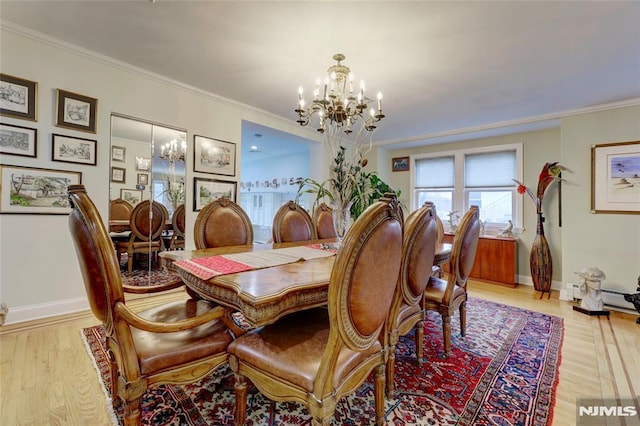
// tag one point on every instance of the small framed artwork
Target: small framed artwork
(214, 156)
(132, 196)
(77, 112)
(208, 190)
(118, 174)
(615, 178)
(143, 163)
(143, 179)
(118, 153)
(18, 140)
(69, 149)
(400, 164)
(18, 97)
(30, 190)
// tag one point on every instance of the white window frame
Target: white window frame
(459, 191)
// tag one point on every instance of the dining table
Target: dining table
(263, 292)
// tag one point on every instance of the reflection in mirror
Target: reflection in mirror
(147, 164)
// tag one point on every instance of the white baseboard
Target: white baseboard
(526, 280)
(45, 310)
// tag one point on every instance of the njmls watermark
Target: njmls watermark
(593, 412)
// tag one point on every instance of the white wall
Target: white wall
(39, 273)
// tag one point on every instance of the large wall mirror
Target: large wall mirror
(146, 193)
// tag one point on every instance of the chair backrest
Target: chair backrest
(222, 223)
(148, 220)
(98, 261)
(292, 223)
(119, 209)
(363, 284)
(463, 250)
(439, 224)
(323, 222)
(178, 221)
(418, 253)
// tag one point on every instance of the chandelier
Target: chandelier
(171, 152)
(336, 104)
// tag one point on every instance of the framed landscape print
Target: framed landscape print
(208, 190)
(18, 97)
(615, 178)
(18, 140)
(118, 174)
(214, 156)
(132, 196)
(69, 149)
(30, 190)
(400, 164)
(76, 111)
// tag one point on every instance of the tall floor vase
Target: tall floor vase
(540, 261)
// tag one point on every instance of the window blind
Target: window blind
(490, 169)
(437, 172)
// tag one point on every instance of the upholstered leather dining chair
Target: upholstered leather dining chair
(317, 356)
(120, 210)
(447, 296)
(323, 222)
(292, 223)
(437, 269)
(178, 342)
(178, 227)
(222, 223)
(147, 223)
(418, 252)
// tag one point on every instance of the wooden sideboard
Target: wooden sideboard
(496, 260)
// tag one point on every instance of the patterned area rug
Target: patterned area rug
(503, 372)
(139, 276)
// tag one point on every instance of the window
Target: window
(456, 180)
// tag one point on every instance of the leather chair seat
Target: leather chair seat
(406, 311)
(292, 347)
(436, 288)
(158, 351)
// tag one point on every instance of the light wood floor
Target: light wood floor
(47, 378)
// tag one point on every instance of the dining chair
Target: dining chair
(292, 223)
(147, 222)
(437, 268)
(222, 223)
(317, 356)
(445, 296)
(323, 222)
(418, 252)
(119, 209)
(177, 342)
(177, 228)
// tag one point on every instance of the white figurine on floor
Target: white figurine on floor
(590, 288)
(507, 231)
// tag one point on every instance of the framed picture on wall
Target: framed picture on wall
(118, 174)
(118, 153)
(18, 97)
(69, 149)
(18, 140)
(214, 156)
(132, 196)
(76, 111)
(143, 179)
(400, 164)
(208, 190)
(29, 190)
(615, 178)
(143, 163)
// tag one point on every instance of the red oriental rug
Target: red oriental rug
(145, 276)
(503, 372)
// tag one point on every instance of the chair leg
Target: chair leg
(463, 318)
(419, 335)
(132, 412)
(379, 394)
(240, 387)
(130, 262)
(391, 365)
(113, 370)
(446, 333)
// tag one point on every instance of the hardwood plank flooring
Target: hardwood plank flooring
(47, 378)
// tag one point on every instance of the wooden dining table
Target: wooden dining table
(266, 294)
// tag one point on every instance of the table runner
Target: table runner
(211, 266)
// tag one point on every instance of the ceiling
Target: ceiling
(447, 70)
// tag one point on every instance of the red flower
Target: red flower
(522, 189)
